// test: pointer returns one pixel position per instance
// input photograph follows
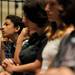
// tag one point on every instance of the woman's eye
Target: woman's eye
(6, 24)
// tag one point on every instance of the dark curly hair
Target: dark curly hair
(69, 11)
(34, 12)
(17, 21)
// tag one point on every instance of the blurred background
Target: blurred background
(10, 7)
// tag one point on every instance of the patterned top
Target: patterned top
(9, 48)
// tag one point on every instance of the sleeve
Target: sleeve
(40, 47)
(28, 55)
(61, 50)
(39, 54)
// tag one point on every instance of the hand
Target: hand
(23, 35)
(8, 65)
(4, 62)
(24, 32)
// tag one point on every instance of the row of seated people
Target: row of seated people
(43, 42)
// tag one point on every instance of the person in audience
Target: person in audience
(64, 61)
(28, 54)
(11, 29)
(57, 30)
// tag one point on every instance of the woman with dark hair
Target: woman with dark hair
(56, 32)
(64, 62)
(28, 54)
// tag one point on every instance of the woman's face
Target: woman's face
(53, 10)
(32, 27)
(8, 28)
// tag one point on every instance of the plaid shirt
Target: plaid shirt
(9, 49)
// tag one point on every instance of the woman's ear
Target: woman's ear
(17, 29)
(60, 8)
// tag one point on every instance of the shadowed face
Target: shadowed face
(53, 10)
(8, 28)
(32, 27)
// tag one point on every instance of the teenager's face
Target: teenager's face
(53, 9)
(8, 28)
